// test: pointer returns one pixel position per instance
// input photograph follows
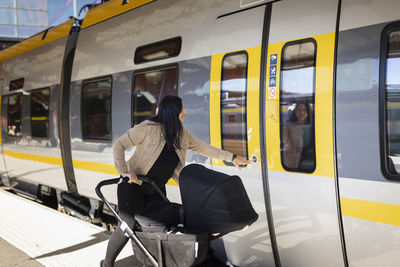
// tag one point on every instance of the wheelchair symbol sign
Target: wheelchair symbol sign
(272, 81)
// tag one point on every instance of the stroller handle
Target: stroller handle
(126, 179)
(103, 183)
(124, 227)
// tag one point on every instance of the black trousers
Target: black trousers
(132, 199)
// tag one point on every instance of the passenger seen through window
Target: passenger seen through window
(297, 91)
(297, 137)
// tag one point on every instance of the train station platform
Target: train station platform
(34, 235)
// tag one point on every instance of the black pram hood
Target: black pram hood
(214, 202)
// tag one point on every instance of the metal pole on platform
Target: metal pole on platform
(75, 11)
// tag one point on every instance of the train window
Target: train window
(14, 108)
(96, 109)
(148, 90)
(40, 112)
(17, 84)
(297, 89)
(392, 100)
(160, 50)
(233, 103)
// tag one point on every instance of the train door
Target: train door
(367, 126)
(234, 122)
(299, 133)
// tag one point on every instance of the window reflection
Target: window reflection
(32, 18)
(7, 16)
(16, 84)
(233, 104)
(7, 3)
(149, 88)
(96, 109)
(40, 113)
(157, 51)
(297, 105)
(393, 101)
(32, 4)
(8, 31)
(14, 108)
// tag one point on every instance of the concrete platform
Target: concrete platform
(11, 256)
(46, 237)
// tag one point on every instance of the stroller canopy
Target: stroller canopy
(214, 202)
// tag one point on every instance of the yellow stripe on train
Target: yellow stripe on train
(371, 211)
(78, 164)
(110, 9)
(37, 40)
(43, 118)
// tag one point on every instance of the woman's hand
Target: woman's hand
(240, 161)
(132, 178)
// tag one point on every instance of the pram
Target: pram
(210, 210)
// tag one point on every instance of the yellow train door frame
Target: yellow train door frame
(323, 108)
(252, 101)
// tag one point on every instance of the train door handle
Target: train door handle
(254, 158)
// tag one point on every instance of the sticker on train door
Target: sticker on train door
(273, 59)
(272, 81)
(272, 76)
(272, 71)
(272, 93)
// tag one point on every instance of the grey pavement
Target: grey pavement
(39, 236)
(11, 256)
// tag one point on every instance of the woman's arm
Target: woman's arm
(131, 138)
(212, 151)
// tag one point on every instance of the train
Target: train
(242, 68)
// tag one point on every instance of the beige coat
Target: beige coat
(293, 138)
(149, 141)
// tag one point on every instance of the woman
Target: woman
(297, 136)
(161, 143)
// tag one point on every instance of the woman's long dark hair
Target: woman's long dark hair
(168, 115)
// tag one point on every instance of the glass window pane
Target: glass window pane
(32, 4)
(32, 18)
(28, 31)
(7, 3)
(8, 16)
(40, 113)
(60, 11)
(96, 109)
(233, 104)
(297, 82)
(392, 91)
(8, 31)
(14, 108)
(160, 50)
(149, 89)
